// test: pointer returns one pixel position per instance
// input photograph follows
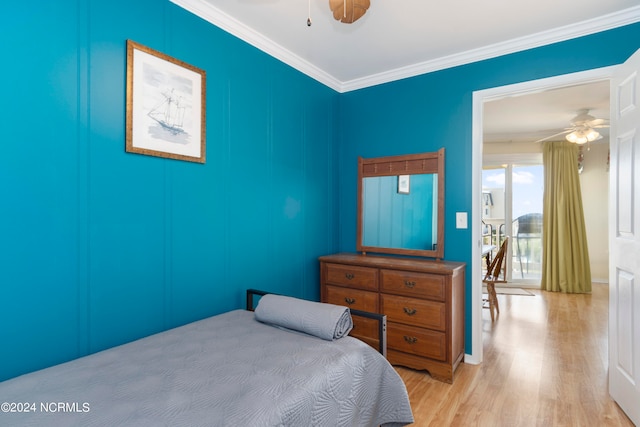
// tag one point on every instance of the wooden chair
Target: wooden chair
(492, 277)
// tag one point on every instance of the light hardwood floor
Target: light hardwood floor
(545, 364)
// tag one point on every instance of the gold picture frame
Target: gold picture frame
(166, 106)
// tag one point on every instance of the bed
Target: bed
(227, 370)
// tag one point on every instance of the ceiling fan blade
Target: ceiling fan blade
(554, 135)
(599, 123)
(348, 11)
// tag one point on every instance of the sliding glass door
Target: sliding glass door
(512, 206)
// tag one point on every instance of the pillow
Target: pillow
(327, 321)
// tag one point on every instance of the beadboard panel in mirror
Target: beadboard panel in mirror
(401, 205)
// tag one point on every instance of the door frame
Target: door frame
(479, 98)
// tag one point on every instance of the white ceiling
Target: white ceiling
(397, 39)
(529, 118)
(400, 38)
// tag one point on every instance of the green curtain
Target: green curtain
(565, 256)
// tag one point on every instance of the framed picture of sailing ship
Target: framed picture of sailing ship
(165, 106)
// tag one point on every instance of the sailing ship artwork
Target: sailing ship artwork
(165, 108)
(170, 113)
(169, 110)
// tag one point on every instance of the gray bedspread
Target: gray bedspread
(227, 370)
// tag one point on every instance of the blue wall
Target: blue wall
(434, 110)
(98, 246)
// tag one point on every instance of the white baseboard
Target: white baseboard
(470, 359)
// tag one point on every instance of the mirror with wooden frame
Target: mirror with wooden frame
(401, 205)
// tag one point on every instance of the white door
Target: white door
(624, 239)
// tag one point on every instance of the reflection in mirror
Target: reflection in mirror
(401, 205)
(398, 213)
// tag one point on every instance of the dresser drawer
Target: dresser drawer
(363, 328)
(413, 311)
(352, 298)
(352, 276)
(421, 342)
(422, 285)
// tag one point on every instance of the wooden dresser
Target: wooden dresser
(423, 301)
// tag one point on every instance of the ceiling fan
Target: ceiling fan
(345, 11)
(582, 130)
(348, 11)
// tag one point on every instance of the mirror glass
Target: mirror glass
(394, 218)
(401, 204)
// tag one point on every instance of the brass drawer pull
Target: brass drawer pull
(410, 311)
(349, 300)
(349, 276)
(410, 340)
(409, 284)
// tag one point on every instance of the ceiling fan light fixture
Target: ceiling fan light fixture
(582, 136)
(592, 135)
(582, 130)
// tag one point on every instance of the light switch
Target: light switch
(461, 220)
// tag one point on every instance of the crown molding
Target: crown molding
(236, 28)
(231, 25)
(584, 28)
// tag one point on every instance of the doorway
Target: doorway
(480, 100)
